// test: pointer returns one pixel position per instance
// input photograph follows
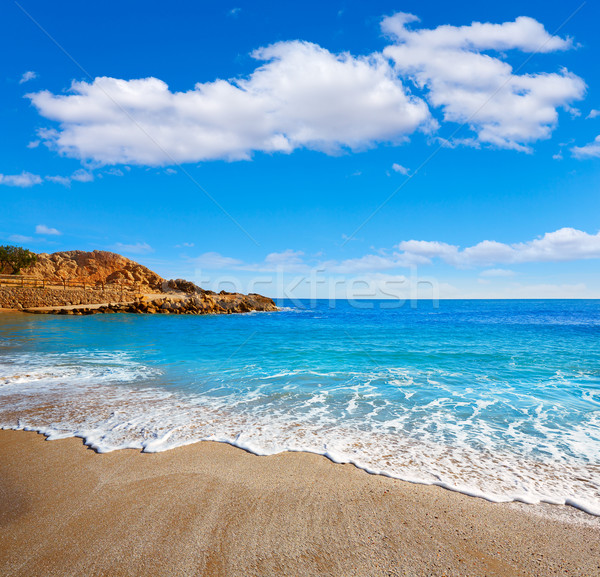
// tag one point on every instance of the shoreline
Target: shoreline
(212, 509)
(563, 506)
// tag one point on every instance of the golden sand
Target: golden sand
(211, 509)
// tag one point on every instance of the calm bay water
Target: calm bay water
(493, 398)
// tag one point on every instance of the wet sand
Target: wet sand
(211, 509)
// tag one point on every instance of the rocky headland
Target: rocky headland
(78, 282)
(98, 267)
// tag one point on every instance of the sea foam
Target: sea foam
(473, 413)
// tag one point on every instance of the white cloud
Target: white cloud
(423, 250)
(23, 180)
(20, 238)
(114, 172)
(452, 64)
(565, 244)
(593, 113)
(43, 229)
(82, 176)
(302, 96)
(78, 176)
(137, 248)
(56, 179)
(591, 150)
(399, 168)
(379, 275)
(524, 34)
(574, 112)
(27, 76)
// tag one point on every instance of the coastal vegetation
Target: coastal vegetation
(16, 258)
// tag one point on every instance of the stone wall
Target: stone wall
(181, 304)
(24, 297)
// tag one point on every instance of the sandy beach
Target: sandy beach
(300, 289)
(212, 509)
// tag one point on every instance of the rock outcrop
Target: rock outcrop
(184, 286)
(113, 283)
(94, 268)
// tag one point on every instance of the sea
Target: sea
(497, 399)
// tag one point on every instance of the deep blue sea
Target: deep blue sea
(499, 399)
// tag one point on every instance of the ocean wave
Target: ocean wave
(460, 398)
(72, 390)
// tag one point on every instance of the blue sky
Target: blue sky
(310, 149)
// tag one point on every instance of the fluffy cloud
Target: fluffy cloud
(43, 229)
(524, 34)
(591, 150)
(504, 109)
(565, 244)
(23, 180)
(302, 96)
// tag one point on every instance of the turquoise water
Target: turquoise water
(499, 399)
